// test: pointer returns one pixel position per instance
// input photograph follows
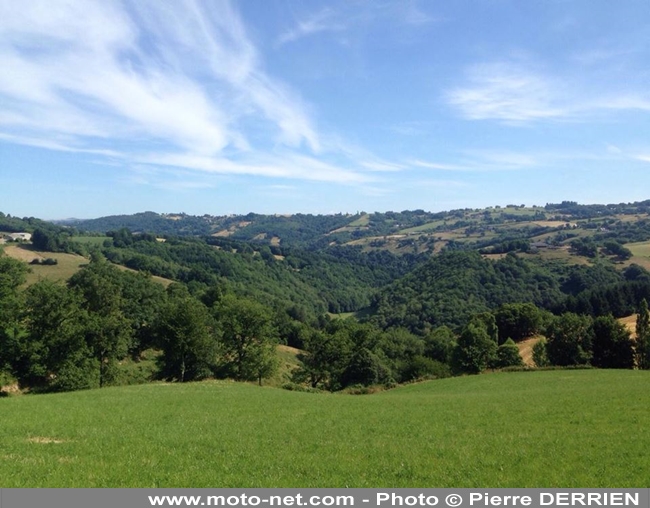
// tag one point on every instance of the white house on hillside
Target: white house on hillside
(17, 237)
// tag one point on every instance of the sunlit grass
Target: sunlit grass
(537, 429)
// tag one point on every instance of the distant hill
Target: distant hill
(496, 230)
(567, 257)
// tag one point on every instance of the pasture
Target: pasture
(67, 264)
(566, 428)
(641, 249)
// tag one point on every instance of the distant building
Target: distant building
(19, 237)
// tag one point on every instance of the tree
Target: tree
(507, 355)
(53, 353)
(439, 344)
(325, 360)
(612, 344)
(108, 332)
(248, 338)
(540, 357)
(476, 349)
(614, 248)
(186, 335)
(517, 321)
(642, 348)
(12, 275)
(569, 340)
(364, 368)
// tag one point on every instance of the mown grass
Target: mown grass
(530, 429)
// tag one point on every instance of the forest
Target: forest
(357, 315)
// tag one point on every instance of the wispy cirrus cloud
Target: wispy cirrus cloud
(507, 92)
(324, 20)
(287, 165)
(516, 93)
(352, 15)
(483, 160)
(179, 80)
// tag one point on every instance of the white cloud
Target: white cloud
(324, 20)
(483, 160)
(350, 16)
(121, 79)
(506, 92)
(287, 165)
(440, 166)
(515, 93)
(382, 166)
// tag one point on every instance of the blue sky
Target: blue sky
(278, 106)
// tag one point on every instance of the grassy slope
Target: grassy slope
(67, 266)
(559, 428)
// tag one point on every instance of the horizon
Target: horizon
(345, 213)
(277, 107)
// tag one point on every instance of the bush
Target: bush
(539, 354)
(421, 367)
(295, 387)
(507, 355)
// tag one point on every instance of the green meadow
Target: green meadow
(565, 428)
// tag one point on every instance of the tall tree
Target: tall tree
(53, 353)
(612, 344)
(569, 340)
(108, 331)
(186, 335)
(517, 321)
(642, 347)
(476, 348)
(325, 359)
(248, 338)
(12, 275)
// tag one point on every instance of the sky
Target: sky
(281, 106)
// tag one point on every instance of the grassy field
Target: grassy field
(641, 249)
(575, 428)
(641, 254)
(67, 266)
(362, 221)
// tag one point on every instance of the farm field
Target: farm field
(641, 249)
(67, 266)
(566, 428)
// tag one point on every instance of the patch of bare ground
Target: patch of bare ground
(630, 323)
(23, 253)
(12, 389)
(45, 440)
(289, 349)
(526, 349)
